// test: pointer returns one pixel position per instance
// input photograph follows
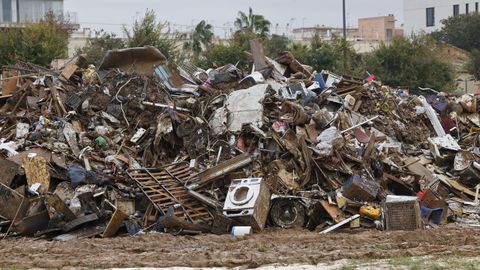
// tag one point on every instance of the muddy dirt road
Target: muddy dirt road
(271, 246)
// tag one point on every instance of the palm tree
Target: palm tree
(201, 37)
(252, 22)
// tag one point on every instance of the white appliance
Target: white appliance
(248, 202)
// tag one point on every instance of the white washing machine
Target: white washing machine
(248, 202)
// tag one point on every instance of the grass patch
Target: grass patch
(262, 248)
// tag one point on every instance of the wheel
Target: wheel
(287, 213)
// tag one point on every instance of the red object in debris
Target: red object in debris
(420, 195)
(370, 78)
(361, 136)
(447, 123)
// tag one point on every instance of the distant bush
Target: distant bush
(473, 65)
(97, 46)
(336, 55)
(221, 54)
(276, 44)
(151, 32)
(411, 62)
(37, 43)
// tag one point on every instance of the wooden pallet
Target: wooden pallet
(165, 188)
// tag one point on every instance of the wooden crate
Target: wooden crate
(402, 213)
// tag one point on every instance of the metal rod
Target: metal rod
(165, 106)
(340, 224)
(359, 124)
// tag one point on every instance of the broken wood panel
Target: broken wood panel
(9, 169)
(258, 55)
(68, 71)
(55, 202)
(12, 203)
(418, 169)
(10, 80)
(82, 233)
(36, 171)
(333, 211)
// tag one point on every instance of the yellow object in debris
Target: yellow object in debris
(383, 106)
(341, 201)
(90, 74)
(370, 211)
(474, 130)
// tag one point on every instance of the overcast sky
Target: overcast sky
(111, 14)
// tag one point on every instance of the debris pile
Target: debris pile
(139, 145)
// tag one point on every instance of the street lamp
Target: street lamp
(292, 20)
(344, 22)
(466, 83)
(303, 27)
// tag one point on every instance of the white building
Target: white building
(427, 15)
(22, 11)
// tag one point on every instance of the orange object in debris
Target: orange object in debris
(370, 211)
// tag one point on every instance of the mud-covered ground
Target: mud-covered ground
(284, 247)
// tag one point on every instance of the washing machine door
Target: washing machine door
(241, 195)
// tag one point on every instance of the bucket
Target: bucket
(241, 230)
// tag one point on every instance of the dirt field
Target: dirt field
(270, 247)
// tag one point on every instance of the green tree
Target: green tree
(473, 65)
(231, 52)
(336, 55)
(299, 50)
(253, 23)
(97, 46)
(462, 31)
(218, 55)
(411, 62)
(200, 38)
(276, 44)
(150, 32)
(38, 43)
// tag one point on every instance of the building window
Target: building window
(456, 10)
(466, 9)
(7, 10)
(430, 17)
(389, 34)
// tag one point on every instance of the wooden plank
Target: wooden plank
(340, 224)
(199, 215)
(114, 224)
(68, 71)
(161, 173)
(416, 168)
(258, 55)
(146, 178)
(333, 211)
